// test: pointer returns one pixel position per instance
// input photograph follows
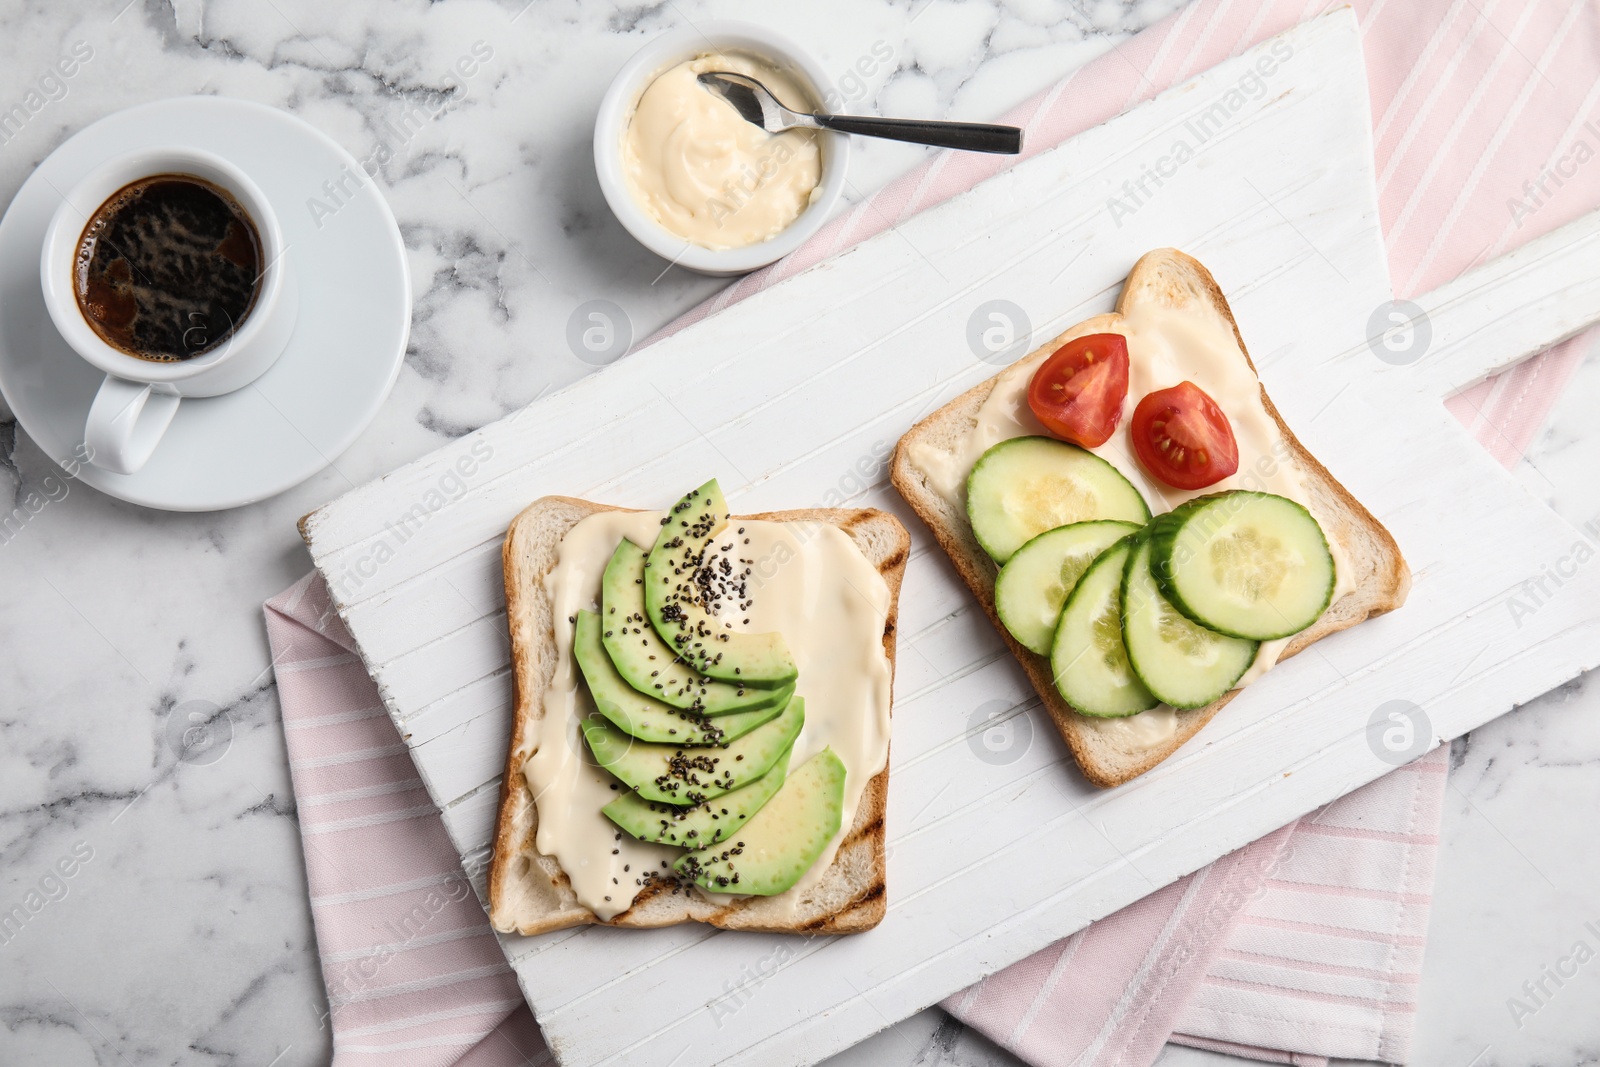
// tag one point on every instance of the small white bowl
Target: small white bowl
(617, 108)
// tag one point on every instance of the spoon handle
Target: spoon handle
(967, 136)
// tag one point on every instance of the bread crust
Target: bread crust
(529, 893)
(1178, 280)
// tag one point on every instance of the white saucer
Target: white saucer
(355, 313)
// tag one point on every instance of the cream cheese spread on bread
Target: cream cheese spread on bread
(1166, 346)
(810, 583)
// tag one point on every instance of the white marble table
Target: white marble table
(184, 937)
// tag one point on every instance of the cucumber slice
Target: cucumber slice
(1088, 659)
(1022, 487)
(1180, 662)
(1035, 581)
(1245, 564)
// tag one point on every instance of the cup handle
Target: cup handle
(126, 422)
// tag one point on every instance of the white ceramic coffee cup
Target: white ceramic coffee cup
(139, 397)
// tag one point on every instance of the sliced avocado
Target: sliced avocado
(642, 718)
(703, 824)
(647, 663)
(782, 841)
(688, 774)
(682, 589)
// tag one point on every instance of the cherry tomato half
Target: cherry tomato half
(1183, 438)
(1078, 392)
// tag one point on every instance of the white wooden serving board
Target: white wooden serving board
(793, 397)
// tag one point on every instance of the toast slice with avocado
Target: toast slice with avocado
(1377, 580)
(529, 893)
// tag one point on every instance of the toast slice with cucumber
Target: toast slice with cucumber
(529, 893)
(1162, 608)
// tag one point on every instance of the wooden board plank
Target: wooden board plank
(1278, 201)
(1491, 316)
(461, 591)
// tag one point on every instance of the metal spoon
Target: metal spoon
(756, 104)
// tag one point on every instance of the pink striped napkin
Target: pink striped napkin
(415, 977)
(1302, 946)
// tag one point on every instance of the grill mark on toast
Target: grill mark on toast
(868, 830)
(862, 901)
(858, 518)
(643, 897)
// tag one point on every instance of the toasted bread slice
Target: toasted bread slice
(1381, 578)
(528, 891)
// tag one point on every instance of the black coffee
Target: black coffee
(167, 268)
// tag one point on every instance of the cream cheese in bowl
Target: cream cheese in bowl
(701, 171)
(689, 178)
